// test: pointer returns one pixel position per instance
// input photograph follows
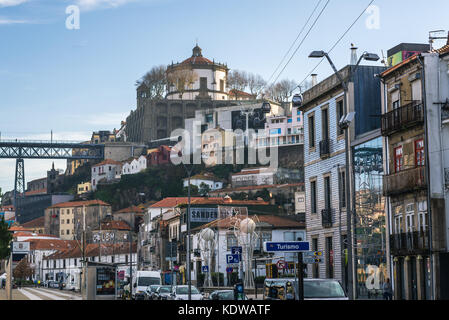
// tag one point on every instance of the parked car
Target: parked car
(224, 295)
(314, 289)
(182, 293)
(52, 284)
(150, 291)
(162, 293)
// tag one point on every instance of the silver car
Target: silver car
(314, 289)
(182, 293)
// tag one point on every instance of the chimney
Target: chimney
(314, 79)
(353, 54)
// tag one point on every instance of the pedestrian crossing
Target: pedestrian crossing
(47, 294)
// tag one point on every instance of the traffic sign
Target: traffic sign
(229, 270)
(281, 264)
(311, 260)
(287, 246)
(236, 250)
(205, 269)
(232, 258)
(313, 254)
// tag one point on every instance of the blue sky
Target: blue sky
(77, 81)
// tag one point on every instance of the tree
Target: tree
(255, 84)
(204, 189)
(23, 270)
(237, 81)
(281, 91)
(156, 82)
(182, 79)
(5, 239)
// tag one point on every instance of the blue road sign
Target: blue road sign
(205, 269)
(236, 250)
(229, 270)
(232, 258)
(287, 246)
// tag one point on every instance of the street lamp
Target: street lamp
(344, 124)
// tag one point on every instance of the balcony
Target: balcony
(402, 118)
(325, 148)
(326, 218)
(409, 243)
(405, 181)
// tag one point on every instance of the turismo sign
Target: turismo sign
(287, 246)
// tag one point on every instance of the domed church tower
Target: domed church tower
(197, 78)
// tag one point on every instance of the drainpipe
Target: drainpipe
(429, 205)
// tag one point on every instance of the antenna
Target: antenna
(433, 37)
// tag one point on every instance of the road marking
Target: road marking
(51, 296)
(72, 296)
(29, 295)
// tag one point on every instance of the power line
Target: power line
(294, 42)
(338, 41)
(305, 37)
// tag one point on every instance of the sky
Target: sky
(75, 81)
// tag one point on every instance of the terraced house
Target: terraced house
(414, 126)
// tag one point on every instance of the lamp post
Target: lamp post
(345, 123)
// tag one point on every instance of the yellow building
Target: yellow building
(84, 188)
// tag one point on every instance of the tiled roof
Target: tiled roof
(235, 92)
(36, 223)
(80, 204)
(265, 186)
(93, 249)
(19, 228)
(40, 191)
(173, 202)
(51, 244)
(108, 161)
(132, 209)
(197, 60)
(7, 208)
(115, 225)
(204, 176)
(443, 50)
(275, 221)
(229, 201)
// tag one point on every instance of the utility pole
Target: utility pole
(130, 262)
(300, 277)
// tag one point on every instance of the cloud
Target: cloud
(11, 21)
(11, 3)
(99, 4)
(105, 119)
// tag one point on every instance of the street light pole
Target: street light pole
(345, 125)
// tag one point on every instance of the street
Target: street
(31, 293)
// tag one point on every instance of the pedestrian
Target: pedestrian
(388, 291)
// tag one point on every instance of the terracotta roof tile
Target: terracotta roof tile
(107, 161)
(36, 223)
(80, 204)
(115, 225)
(132, 209)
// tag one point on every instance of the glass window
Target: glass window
(323, 289)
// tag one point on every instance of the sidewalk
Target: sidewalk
(16, 295)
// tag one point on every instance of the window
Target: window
(231, 241)
(419, 153)
(327, 192)
(342, 184)
(340, 113)
(313, 199)
(62, 232)
(203, 84)
(222, 85)
(410, 217)
(68, 221)
(398, 220)
(325, 123)
(311, 132)
(62, 221)
(422, 216)
(329, 258)
(315, 270)
(67, 232)
(398, 160)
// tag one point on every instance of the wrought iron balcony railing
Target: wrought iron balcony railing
(409, 243)
(325, 148)
(402, 118)
(326, 218)
(405, 181)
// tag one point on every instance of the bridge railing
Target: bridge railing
(41, 141)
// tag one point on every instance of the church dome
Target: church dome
(197, 57)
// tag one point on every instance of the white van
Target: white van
(142, 280)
